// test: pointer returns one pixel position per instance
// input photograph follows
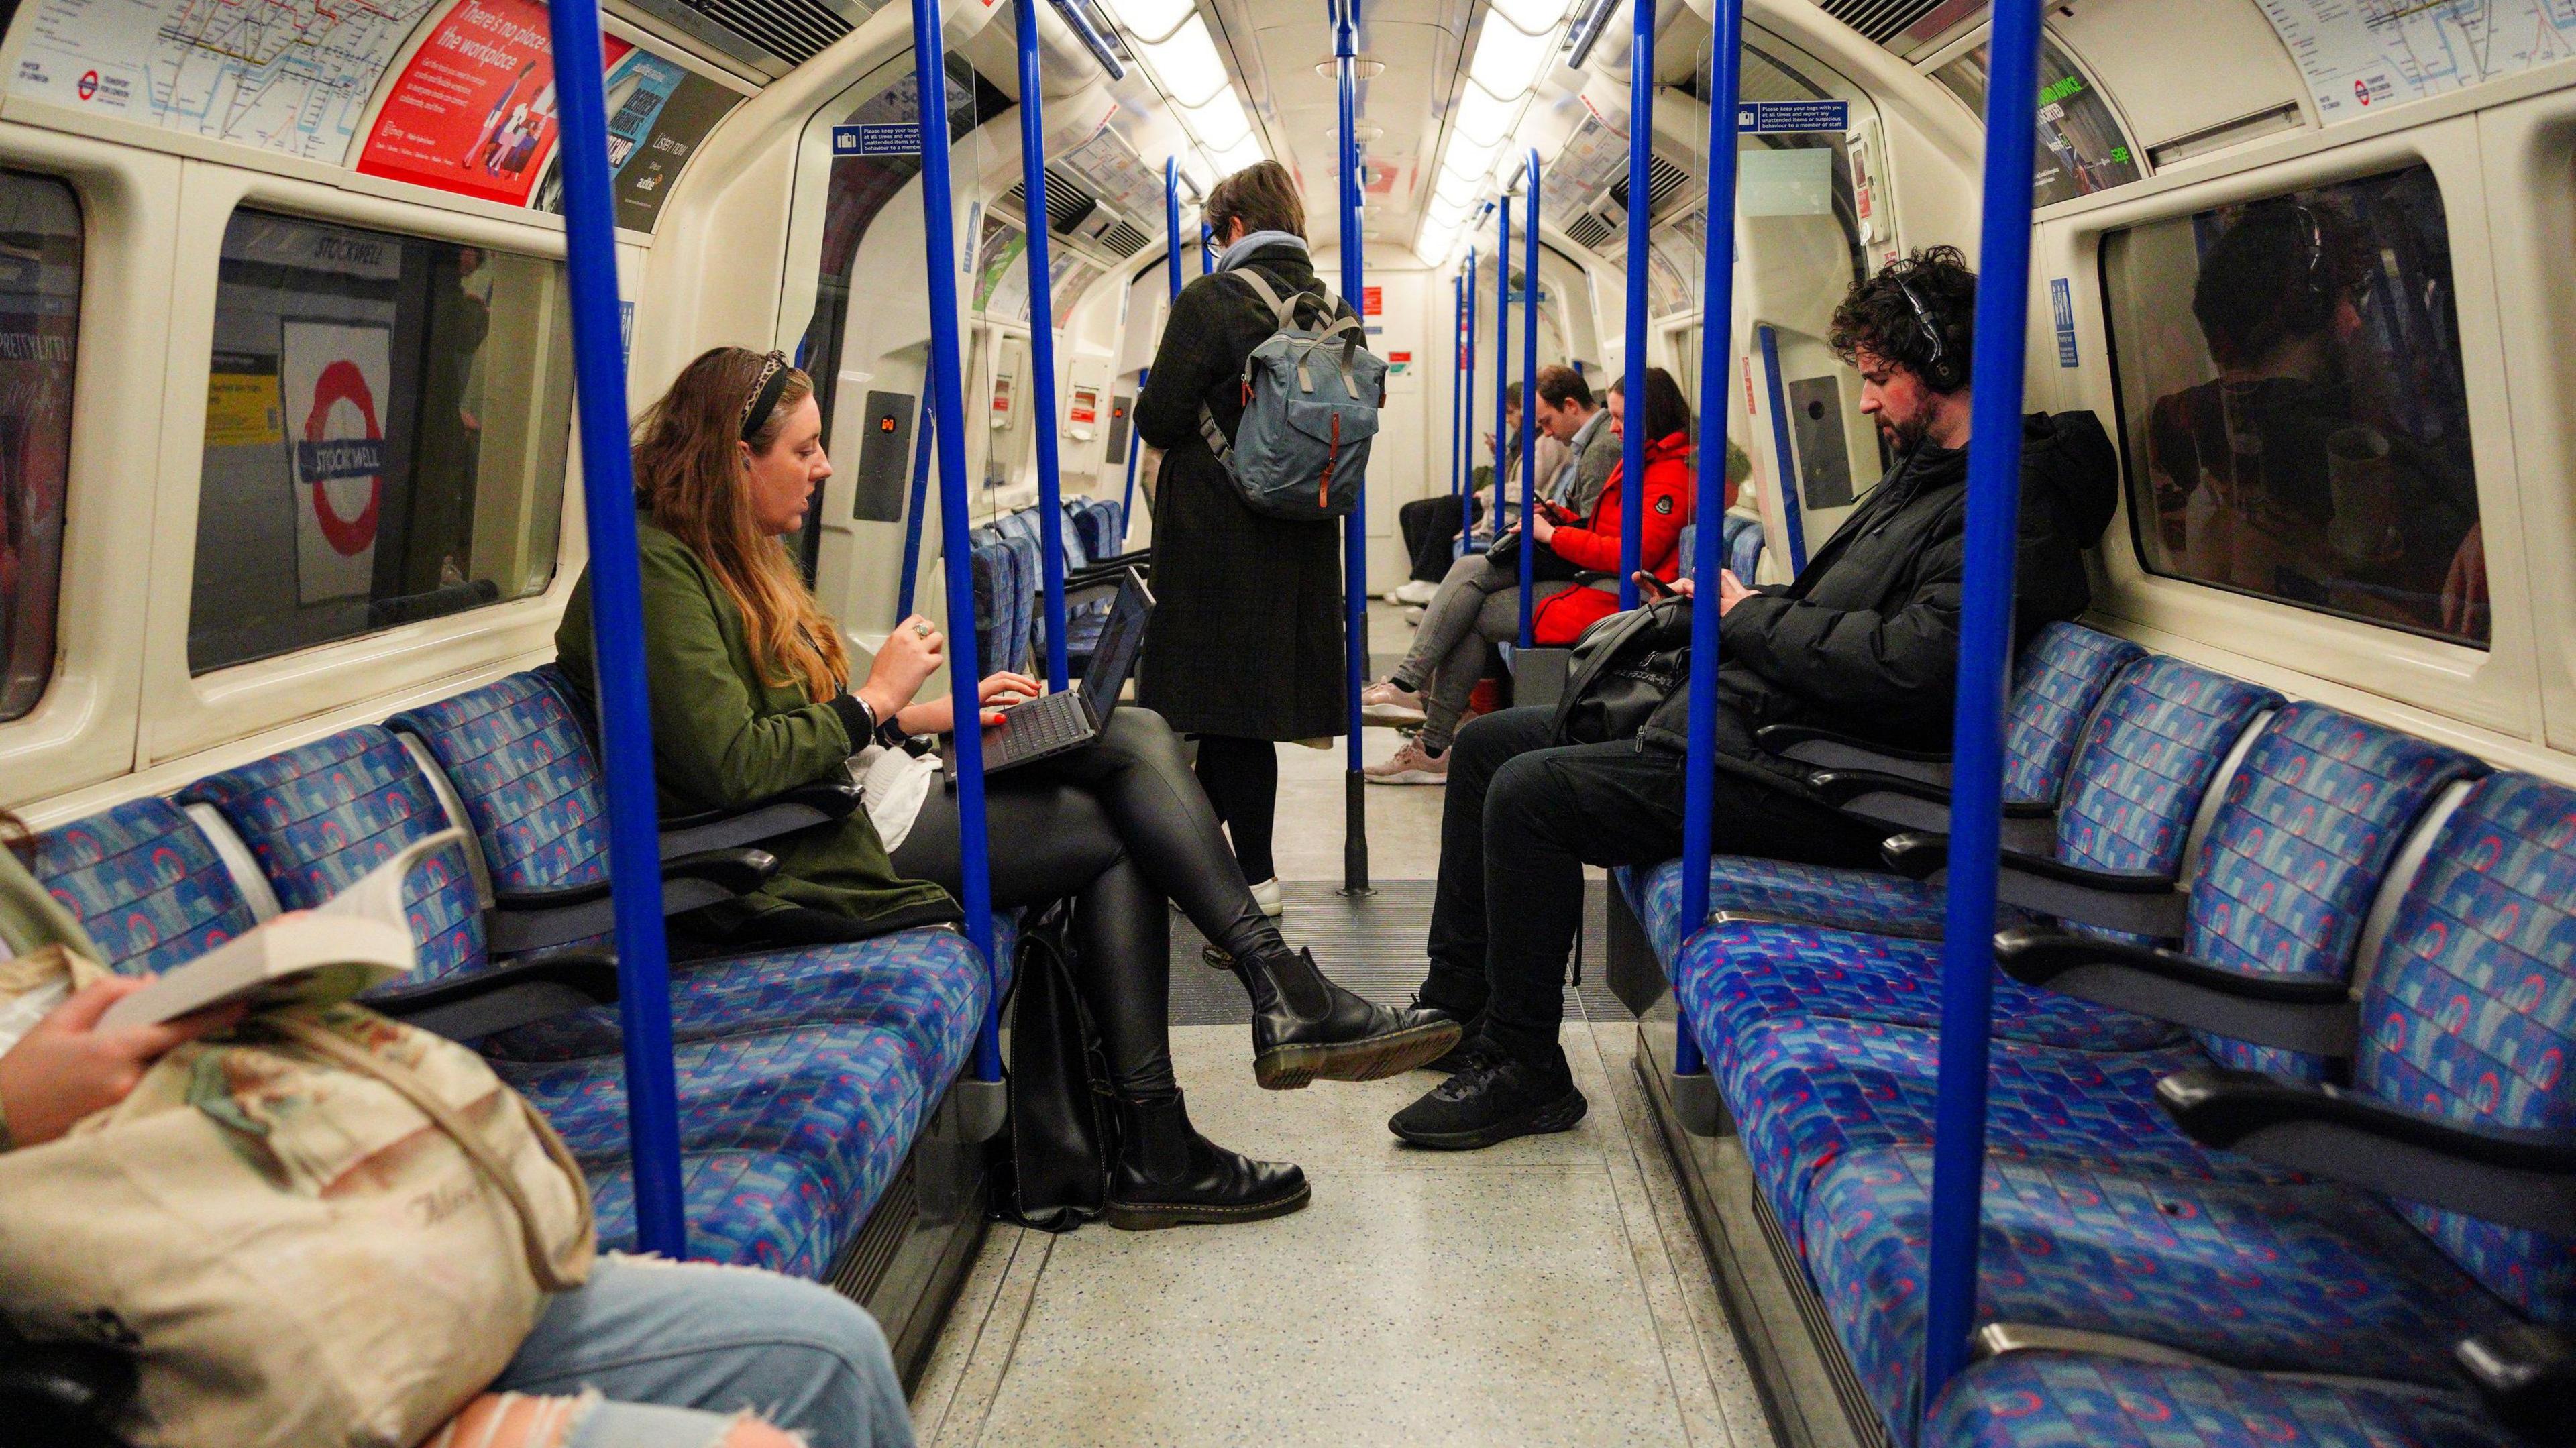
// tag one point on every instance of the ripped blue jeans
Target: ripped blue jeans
(676, 1352)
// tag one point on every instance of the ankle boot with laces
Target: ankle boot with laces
(1170, 1176)
(1305, 1028)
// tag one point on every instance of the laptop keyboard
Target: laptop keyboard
(1042, 724)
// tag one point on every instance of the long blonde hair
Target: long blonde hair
(689, 478)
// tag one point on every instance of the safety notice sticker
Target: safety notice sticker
(1772, 117)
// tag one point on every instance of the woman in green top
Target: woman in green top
(753, 692)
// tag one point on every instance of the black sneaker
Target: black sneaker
(1492, 1102)
(1471, 1053)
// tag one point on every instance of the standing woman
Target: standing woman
(1246, 646)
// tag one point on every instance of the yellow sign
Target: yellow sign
(243, 410)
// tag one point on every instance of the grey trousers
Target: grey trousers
(1475, 605)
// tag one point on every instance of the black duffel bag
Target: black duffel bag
(1623, 668)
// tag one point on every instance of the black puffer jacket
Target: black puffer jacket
(1866, 641)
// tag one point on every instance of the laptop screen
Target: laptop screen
(1115, 655)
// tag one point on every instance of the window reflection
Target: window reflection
(2290, 374)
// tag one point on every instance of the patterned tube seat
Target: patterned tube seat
(2059, 689)
(2467, 1014)
(523, 770)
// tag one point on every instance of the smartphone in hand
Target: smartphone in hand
(1654, 589)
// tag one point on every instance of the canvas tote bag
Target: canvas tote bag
(323, 1228)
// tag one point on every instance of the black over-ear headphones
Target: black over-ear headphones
(1941, 370)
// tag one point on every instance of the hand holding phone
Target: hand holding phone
(1655, 589)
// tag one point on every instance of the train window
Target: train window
(40, 286)
(2081, 150)
(2288, 373)
(386, 425)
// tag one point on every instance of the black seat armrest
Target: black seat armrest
(526, 920)
(786, 812)
(737, 871)
(2516, 1178)
(2527, 1374)
(1110, 570)
(1825, 749)
(2298, 1014)
(63, 1393)
(1839, 787)
(468, 1007)
(2140, 904)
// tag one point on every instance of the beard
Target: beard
(1906, 436)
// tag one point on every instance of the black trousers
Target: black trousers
(1431, 527)
(1521, 821)
(1119, 827)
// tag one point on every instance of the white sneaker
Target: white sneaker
(1266, 895)
(1413, 618)
(1410, 766)
(1387, 705)
(1414, 591)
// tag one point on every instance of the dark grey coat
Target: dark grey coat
(1247, 632)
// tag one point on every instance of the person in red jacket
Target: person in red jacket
(1479, 603)
(1593, 545)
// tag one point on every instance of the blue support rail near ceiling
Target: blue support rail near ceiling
(1985, 672)
(1632, 443)
(1791, 504)
(1355, 862)
(1692, 1088)
(947, 394)
(617, 623)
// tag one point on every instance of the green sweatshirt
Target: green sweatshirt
(723, 738)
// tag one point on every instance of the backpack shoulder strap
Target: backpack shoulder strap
(1283, 312)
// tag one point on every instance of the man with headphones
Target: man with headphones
(1864, 642)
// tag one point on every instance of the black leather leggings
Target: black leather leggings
(1120, 826)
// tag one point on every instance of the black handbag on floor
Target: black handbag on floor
(1054, 1154)
(1624, 668)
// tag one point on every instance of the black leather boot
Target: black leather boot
(1305, 1028)
(1170, 1176)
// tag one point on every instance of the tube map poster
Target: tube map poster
(2364, 55)
(290, 76)
(474, 111)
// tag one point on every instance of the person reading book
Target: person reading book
(645, 1354)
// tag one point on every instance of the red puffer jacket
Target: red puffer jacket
(1594, 547)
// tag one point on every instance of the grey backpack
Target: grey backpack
(1310, 404)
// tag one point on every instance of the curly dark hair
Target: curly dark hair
(2275, 276)
(1878, 316)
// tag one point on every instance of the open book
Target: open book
(359, 938)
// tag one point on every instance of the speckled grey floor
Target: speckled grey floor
(1548, 1291)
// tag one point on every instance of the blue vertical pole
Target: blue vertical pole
(1716, 346)
(1457, 373)
(1632, 442)
(1172, 224)
(1355, 867)
(1207, 254)
(1985, 672)
(1529, 396)
(912, 517)
(1502, 349)
(1467, 409)
(1135, 450)
(939, 234)
(617, 624)
(1791, 505)
(1041, 342)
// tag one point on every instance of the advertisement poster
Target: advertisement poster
(658, 114)
(474, 111)
(336, 378)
